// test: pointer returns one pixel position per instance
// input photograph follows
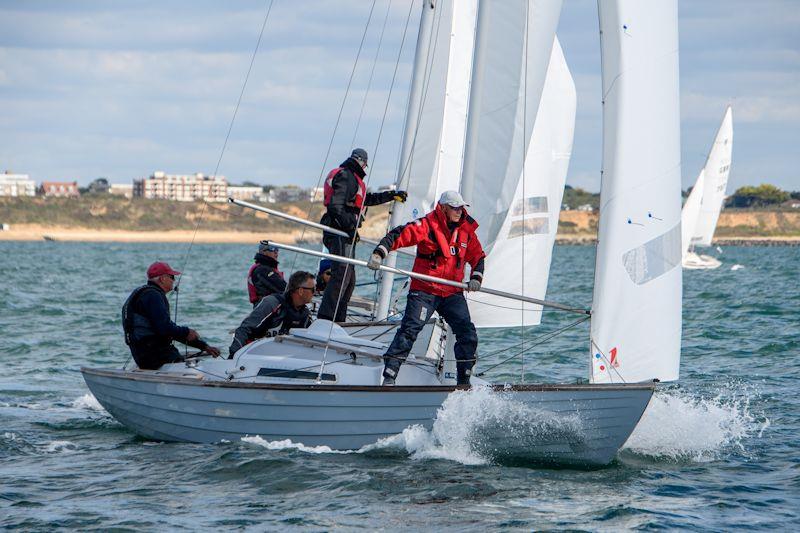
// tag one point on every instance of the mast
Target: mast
(412, 118)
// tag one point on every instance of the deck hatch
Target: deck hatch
(293, 374)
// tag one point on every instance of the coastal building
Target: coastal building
(245, 192)
(59, 189)
(16, 185)
(121, 189)
(289, 193)
(182, 187)
(316, 194)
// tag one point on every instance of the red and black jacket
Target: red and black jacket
(443, 249)
(345, 195)
(264, 278)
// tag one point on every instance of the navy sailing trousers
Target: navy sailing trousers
(419, 308)
(343, 280)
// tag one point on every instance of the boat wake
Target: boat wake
(677, 426)
(472, 427)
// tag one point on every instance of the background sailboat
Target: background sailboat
(712, 183)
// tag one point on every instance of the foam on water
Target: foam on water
(287, 444)
(464, 430)
(678, 426)
(60, 446)
(87, 401)
(737, 267)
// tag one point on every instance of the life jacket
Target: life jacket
(443, 254)
(361, 193)
(134, 324)
(252, 293)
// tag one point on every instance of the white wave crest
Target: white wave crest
(472, 427)
(87, 401)
(287, 444)
(677, 426)
(63, 446)
(737, 267)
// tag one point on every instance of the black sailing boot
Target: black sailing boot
(389, 375)
(462, 376)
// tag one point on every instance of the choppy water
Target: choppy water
(719, 450)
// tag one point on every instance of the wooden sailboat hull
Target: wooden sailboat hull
(564, 424)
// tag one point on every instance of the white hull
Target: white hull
(586, 424)
(695, 261)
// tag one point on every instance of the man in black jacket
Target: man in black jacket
(345, 197)
(149, 332)
(283, 311)
(264, 278)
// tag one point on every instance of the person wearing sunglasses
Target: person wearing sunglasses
(346, 199)
(281, 311)
(446, 242)
(149, 331)
(324, 275)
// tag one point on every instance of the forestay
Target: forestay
(520, 257)
(434, 162)
(690, 212)
(507, 80)
(717, 169)
(636, 321)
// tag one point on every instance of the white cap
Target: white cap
(453, 199)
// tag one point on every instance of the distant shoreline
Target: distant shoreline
(32, 232)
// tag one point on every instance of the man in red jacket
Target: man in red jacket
(446, 242)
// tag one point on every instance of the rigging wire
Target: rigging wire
(222, 151)
(371, 75)
(338, 118)
(366, 184)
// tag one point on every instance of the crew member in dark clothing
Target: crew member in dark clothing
(345, 195)
(283, 311)
(149, 332)
(324, 275)
(446, 242)
(264, 278)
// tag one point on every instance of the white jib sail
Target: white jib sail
(513, 44)
(434, 163)
(690, 212)
(531, 223)
(636, 320)
(717, 169)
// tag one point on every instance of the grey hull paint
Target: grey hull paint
(565, 424)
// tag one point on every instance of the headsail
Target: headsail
(717, 169)
(690, 212)
(636, 321)
(530, 225)
(434, 162)
(512, 51)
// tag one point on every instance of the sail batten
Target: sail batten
(636, 310)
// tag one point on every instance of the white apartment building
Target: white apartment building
(121, 189)
(182, 187)
(16, 185)
(243, 192)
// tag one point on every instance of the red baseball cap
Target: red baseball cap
(159, 268)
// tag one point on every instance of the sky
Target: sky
(121, 89)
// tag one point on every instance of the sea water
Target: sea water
(715, 451)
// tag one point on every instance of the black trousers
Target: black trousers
(151, 356)
(343, 280)
(419, 308)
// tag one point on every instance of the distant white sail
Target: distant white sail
(690, 212)
(530, 225)
(717, 169)
(512, 52)
(434, 165)
(636, 320)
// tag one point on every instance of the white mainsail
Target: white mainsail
(513, 44)
(530, 225)
(636, 310)
(717, 169)
(434, 162)
(690, 212)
